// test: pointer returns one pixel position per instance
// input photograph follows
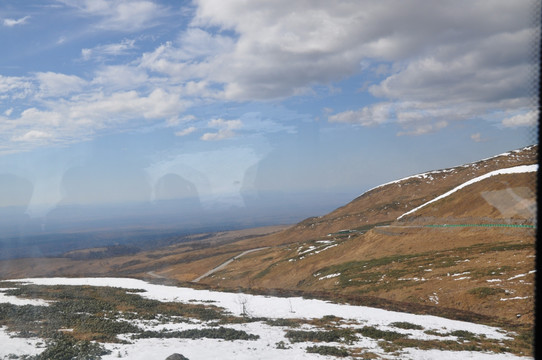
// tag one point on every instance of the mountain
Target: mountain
(457, 242)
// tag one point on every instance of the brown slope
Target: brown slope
(503, 199)
(485, 270)
(387, 202)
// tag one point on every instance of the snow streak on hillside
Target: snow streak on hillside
(428, 175)
(512, 170)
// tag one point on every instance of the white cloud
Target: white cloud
(477, 137)
(15, 87)
(225, 129)
(454, 61)
(525, 119)
(368, 116)
(422, 128)
(442, 56)
(54, 84)
(109, 50)
(14, 22)
(186, 131)
(118, 77)
(120, 15)
(84, 115)
(33, 135)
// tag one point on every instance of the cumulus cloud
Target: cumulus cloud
(225, 129)
(443, 56)
(14, 22)
(525, 119)
(452, 61)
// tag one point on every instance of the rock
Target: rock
(176, 357)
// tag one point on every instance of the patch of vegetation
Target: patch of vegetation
(93, 313)
(406, 325)
(374, 333)
(343, 335)
(398, 271)
(209, 333)
(445, 345)
(369, 227)
(508, 247)
(328, 350)
(464, 335)
(282, 345)
(63, 346)
(490, 271)
(483, 292)
(466, 341)
(434, 333)
(283, 322)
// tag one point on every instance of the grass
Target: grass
(389, 272)
(484, 291)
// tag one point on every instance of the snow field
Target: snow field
(354, 317)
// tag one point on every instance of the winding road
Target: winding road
(224, 264)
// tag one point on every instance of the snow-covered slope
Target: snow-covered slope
(266, 346)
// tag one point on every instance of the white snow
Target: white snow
(517, 276)
(270, 307)
(18, 346)
(18, 301)
(329, 276)
(512, 170)
(515, 298)
(459, 274)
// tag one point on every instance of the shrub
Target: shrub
(328, 350)
(406, 325)
(63, 346)
(346, 336)
(210, 333)
(374, 333)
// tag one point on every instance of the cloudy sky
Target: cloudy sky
(139, 100)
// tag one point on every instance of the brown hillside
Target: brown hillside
(387, 202)
(486, 271)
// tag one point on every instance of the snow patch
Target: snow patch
(329, 276)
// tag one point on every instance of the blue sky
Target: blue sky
(109, 101)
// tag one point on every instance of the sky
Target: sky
(235, 103)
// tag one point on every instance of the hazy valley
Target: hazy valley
(457, 243)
